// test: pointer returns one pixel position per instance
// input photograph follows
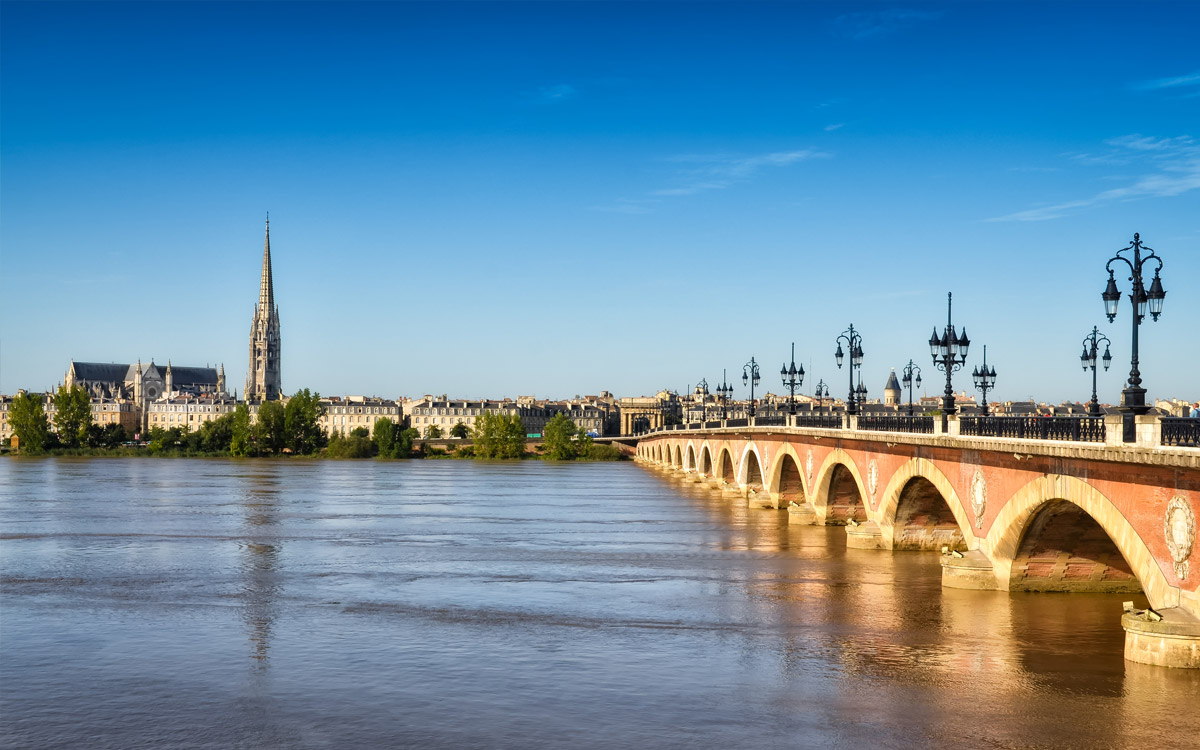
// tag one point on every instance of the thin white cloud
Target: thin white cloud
(700, 173)
(835, 126)
(1192, 79)
(1172, 167)
(876, 23)
(558, 92)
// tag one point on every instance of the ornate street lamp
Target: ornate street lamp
(985, 379)
(910, 374)
(860, 392)
(854, 344)
(1091, 346)
(821, 393)
(724, 391)
(750, 375)
(702, 392)
(793, 378)
(1133, 398)
(949, 353)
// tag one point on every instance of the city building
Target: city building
(129, 390)
(263, 380)
(891, 391)
(343, 414)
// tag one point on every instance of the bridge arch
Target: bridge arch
(1050, 512)
(840, 492)
(920, 509)
(726, 470)
(750, 468)
(689, 457)
(787, 481)
(706, 461)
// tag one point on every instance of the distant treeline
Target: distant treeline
(292, 429)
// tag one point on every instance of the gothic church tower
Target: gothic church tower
(262, 380)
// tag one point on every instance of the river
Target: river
(188, 603)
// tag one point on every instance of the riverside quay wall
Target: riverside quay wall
(1010, 514)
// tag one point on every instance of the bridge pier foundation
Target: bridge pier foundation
(864, 536)
(1173, 641)
(756, 497)
(801, 514)
(971, 571)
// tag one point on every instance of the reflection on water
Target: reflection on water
(162, 603)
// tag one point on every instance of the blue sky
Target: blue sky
(559, 198)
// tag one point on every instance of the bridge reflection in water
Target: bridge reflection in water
(1007, 514)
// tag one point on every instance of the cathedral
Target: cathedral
(262, 379)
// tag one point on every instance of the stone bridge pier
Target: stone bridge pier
(1003, 514)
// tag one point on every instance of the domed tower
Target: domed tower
(263, 378)
(891, 391)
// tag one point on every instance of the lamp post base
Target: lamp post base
(1134, 400)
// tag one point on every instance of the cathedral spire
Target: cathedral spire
(266, 289)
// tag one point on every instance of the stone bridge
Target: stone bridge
(1005, 513)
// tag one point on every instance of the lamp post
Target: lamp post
(750, 375)
(1091, 346)
(985, 379)
(860, 392)
(793, 378)
(908, 376)
(821, 393)
(854, 344)
(702, 392)
(724, 391)
(1133, 398)
(949, 354)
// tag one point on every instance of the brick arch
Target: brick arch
(689, 457)
(787, 489)
(678, 462)
(925, 470)
(1025, 508)
(725, 468)
(831, 476)
(706, 461)
(750, 469)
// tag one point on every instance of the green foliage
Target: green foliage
(393, 439)
(433, 432)
(110, 436)
(460, 431)
(27, 416)
(217, 435)
(561, 441)
(241, 437)
(499, 436)
(72, 415)
(301, 423)
(269, 429)
(360, 432)
(353, 446)
(597, 452)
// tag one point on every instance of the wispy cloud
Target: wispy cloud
(1192, 79)
(558, 92)
(1170, 167)
(876, 23)
(834, 126)
(700, 173)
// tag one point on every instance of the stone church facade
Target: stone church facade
(263, 375)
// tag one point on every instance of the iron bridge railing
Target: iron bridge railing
(1182, 432)
(895, 423)
(827, 421)
(770, 421)
(1078, 429)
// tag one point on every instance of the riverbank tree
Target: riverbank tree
(72, 415)
(499, 436)
(27, 416)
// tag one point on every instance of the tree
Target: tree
(460, 431)
(72, 415)
(302, 422)
(433, 432)
(27, 416)
(558, 439)
(241, 437)
(384, 435)
(269, 430)
(218, 434)
(499, 436)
